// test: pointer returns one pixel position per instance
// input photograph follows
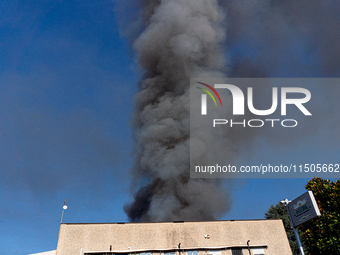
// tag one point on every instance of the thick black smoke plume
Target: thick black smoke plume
(186, 38)
(182, 39)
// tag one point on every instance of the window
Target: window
(236, 251)
(192, 252)
(215, 252)
(170, 253)
(258, 251)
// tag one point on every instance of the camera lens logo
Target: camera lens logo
(204, 97)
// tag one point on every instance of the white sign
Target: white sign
(303, 208)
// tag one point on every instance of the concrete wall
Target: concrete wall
(157, 237)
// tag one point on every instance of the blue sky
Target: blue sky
(67, 82)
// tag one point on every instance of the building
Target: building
(245, 237)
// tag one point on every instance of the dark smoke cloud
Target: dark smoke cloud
(288, 39)
(182, 39)
(283, 38)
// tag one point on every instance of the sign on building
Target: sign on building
(303, 208)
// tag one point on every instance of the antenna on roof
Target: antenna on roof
(62, 214)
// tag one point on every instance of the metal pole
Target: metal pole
(286, 202)
(62, 214)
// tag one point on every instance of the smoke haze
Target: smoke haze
(283, 38)
(186, 39)
(182, 39)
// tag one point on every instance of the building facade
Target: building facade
(245, 237)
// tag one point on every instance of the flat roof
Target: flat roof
(179, 221)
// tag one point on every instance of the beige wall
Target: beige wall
(156, 237)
